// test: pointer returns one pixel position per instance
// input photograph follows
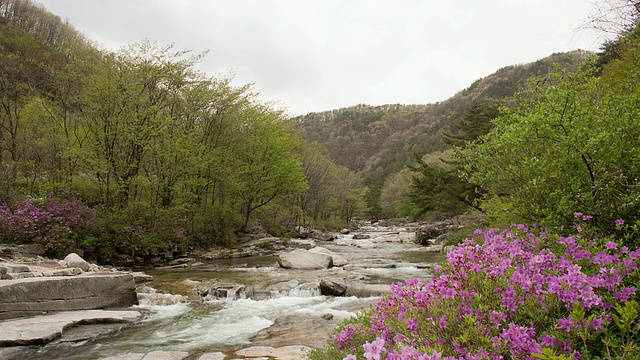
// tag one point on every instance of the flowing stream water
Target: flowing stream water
(286, 315)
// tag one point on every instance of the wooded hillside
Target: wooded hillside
(378, 141)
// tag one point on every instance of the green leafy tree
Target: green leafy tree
(128, 106)
(440, 188)
(571, 145)
(267, 161)
(475, 123)
(395, 198)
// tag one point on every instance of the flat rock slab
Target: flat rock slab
(212, 356)
(299, 259)
(34, 296)
(281, 353)
(46, 328)
(156, 355)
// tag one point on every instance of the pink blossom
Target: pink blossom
(374, 349)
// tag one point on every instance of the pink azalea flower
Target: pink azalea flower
(374, 349)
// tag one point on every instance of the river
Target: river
(271, 306)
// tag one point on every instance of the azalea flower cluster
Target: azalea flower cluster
(504, 294)
(52, 221)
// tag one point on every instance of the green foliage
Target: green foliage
(440, 188)
(570, 145)
(394, 197)
(379, 141)
(169, 157)
(476, 122)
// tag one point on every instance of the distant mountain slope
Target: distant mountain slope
(377, 141)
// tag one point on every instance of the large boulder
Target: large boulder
(299, 259)
(46, 328)
(74, 260)
(338, 260)
(332, 287)
(322, 236)
(34, 296)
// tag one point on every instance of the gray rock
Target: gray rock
(26, 251)
(16, 276)
(220, 289)
(44, 329)
(166, 355)
(28, 297)
(6, 268)
(128, 356)
(304, 231)
(140, 277)
(63, 272)
(338, 260)
(363, 244)
(361, 290)
(370, 264)
(345, 231)
(292, 352)
(361, 236)
(441, 239)
(327, 316)
(332, 287)
(180, 261)
(212, 356)
(299, 259)
(322, 236)
(302, 244)
(74, 260)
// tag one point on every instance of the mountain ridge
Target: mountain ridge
(377, 141)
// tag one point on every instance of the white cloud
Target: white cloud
(314, 55)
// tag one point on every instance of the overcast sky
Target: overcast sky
(316, 55)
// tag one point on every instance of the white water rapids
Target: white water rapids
(229, 324)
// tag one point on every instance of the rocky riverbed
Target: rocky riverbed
(270, 298)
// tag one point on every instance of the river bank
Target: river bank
(221, 306)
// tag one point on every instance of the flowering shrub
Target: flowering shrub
(55, 222)
(517, 293)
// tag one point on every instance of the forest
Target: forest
(136, 152)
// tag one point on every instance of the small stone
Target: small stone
(361, 236)
(74, 260)
(327, 316)
(140, 277)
